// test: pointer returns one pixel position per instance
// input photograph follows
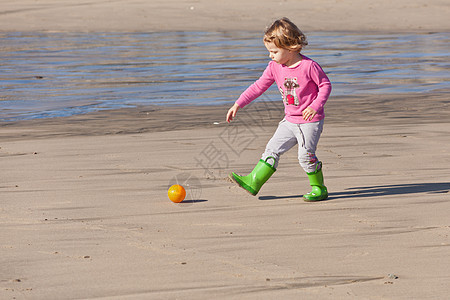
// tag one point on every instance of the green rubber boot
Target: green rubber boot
(319, 190)
(253, 182)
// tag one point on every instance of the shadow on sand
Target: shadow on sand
(379, 190)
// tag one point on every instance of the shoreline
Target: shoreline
(365, 110)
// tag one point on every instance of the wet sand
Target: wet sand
(85, 214)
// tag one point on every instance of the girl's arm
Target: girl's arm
(308, 113)
(258, 87)
(252, 92)
(324, 85)
(232, 112)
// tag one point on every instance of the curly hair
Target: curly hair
(285, 34)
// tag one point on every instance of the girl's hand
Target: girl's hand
(232, 112)
(309, 114)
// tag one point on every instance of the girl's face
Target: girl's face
(281, 55)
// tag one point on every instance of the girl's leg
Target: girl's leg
(282, 140)
(308, 137)
(308, 140)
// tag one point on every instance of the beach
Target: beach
(84, 209)
(200, 15)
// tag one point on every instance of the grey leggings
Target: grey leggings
(288, 135)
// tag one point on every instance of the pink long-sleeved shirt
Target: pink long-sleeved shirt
(301, 86)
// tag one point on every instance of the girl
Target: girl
(304, 88)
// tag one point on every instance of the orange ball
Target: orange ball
(176, 193)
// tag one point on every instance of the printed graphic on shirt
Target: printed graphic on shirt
(288, 92)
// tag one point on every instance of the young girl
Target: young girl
(304, 88)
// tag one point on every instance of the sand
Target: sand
(84, 212)
(179, 15)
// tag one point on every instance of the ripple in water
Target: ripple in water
(48, 75)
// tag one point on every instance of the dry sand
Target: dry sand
(84, 211)
(160, 15)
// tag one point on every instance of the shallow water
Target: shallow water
(61, 74)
